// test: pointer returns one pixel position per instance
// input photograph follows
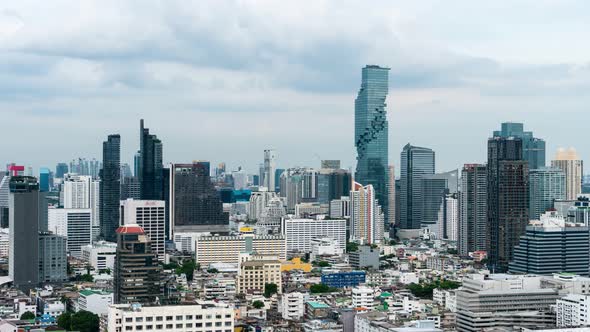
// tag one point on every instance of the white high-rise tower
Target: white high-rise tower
(269, 170)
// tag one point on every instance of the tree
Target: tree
(213, 270)
(322, 288)
(86, 278)
(270, 289)
(188, 268)
(84, 321)
(352, 246)
(323, 264)
(65, 320)
(425, 290)
(258, 304)
(27, 316)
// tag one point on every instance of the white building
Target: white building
(304, 210)
(340, 208)
(366, 217)
(363, 297)
(448, 218)
(95, 301)
(181, 318)
(573, 310)
(83, 192)
(325, 246)
(75, 224)
(407, 278)
(185, 241)
(4, 242)
(268, 179)
(269, 221)
(227, 249)
(300, 232)
(258, 202)
(240, 178)
(100, 255)
(151, 216)
(292, 305)
(219, 287)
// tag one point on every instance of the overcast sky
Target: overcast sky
(223, 80)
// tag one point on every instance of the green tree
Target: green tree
(84, 321)
(27, 316)
(424, 290)
(258, 304)
(86, 278)
(188, 268)
(322, 288)
(65, 320)
(270, 289)
(352, 246)
(212, 271)
(323, 264)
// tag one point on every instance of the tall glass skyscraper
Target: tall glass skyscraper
(434, 189)
(371, 132)
(151, 167)
(546, 186)
(533, 149)
(416, 162)
(110, 187)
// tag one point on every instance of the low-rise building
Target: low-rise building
(344, 279)
(364, 257)
(255, 271)
(363, 297)
(95, 301)
(292, 305)
(573, 310)
(227, 249)
(100, 255)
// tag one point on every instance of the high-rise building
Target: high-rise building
(45, 179)
(4, 194)
(258, 202)
(278, 173)
(371, 132)
(573, 310)
(416, 162)
(270, 166)
(24, 205)
(330, 164)
(137, 271)
(195, 204)
(130, 188)
(227, 249)
(60, 170)
(573, 167)
(83, 192)
(448, 217)
(151, 167)
(473, 209)
(126, 171)
(75, 224)
(508, 192)
(110, 187)
(392, 195)
(533, 149)
(332, 184)
(149, 215)
(299, 232)
(546, 186)
(240, 178)
(53, 261)
(366, 216)
(552, 245)
(434, 188)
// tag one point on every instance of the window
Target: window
(178, 317)
(169, 326)
(128, 328)
(169, 318)
(158, 318)
(189, 325)
(208, 324)
(128, 319)
(139, 319)
(178, 326)
(139, 328)
(159, 327)
(149, 319)
(198, 324)
(217, 323)
(199, 317)
(188, 317)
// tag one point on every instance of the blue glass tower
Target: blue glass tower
(45, 180)
(371, 132)
(533, 149)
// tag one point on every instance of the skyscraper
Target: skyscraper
(434, 189)
(83, 192)
(60, 170)
(151, 167)
(448, 217)
(533, 149)
(195, 205)
(110, 188)
(508, 191)
(573, 167)
(416, 162)
(473, 209)
(75, 224)
(45, 179)
(269, 170)
(366, 215)
(149, 215)
(371, 132)
(546, 186)
(392, 195)
(137, 272)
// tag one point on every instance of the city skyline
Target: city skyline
(66, 81)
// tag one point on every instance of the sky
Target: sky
(224, 80)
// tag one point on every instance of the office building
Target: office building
(100, 255)
(270, 220)
(448, 218)
(552, 245)
(508, 193)
(340, 208)
(195, 204)
(130, 188)
(151, 173)
(258, 202)
(24, 215)
(82, 166)
(332, 184)
(75, 224)
(180, 318)
(546, 185)
(504, 301)
(83, 192)
(344, 279)
(366, 217)
(240, 178)
(268, 176)
(45, 179)
(434, 188)
(255, 271)
(4, 242)
(533, 149)
(473, 209)
(573, 310)
(151, 217)
(573, 167)
(371, 132)
(4, 194)
(364, 257)
(330, 164)
(416, 162)
(137, 272)
(308, 210)
(110, 187)
(60, 170)
(278, 173)
(227, 249)
(391, 195)
(53, 261)
(299, 232)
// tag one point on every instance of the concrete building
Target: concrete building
(364, 257)
(83, 192)
(292, 305)
(367, 220)
(546, 185)
(473, 209)
(4, 242)
(307, 210)
(100, 255)
(227, 249)
(258, 202)
(53, 261)
(363, 297)
(268, 179)
(344, 279)
(75, 224)
(533, 149)
(573, 167)
(181, 318)
(95, 301)
(573, 310)
(448, 218)
(185, 241)
(340, 208)
(325, 246)
(149, 215)
(501, 300)
(298, 233)
(434, 188)
(255, 271)
(551, 245)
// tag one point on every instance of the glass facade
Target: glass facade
(151, 167)
(533, 149)
(110, 187)
(416, 162)
(371, 132)
(546, 186)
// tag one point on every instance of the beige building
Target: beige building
(571, 164)
(254, 271)
(227, 249)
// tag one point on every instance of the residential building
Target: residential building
(573, 167)
(137, 272)
(340, 208)
(100, 255)
(473, 209)
(306, 210)
(151, 216)
(292, 305)
(83, 192)
(110, 187)
(363, 297)
(325, 246)
(552, 245)
(573, 310)
(533, 149)
(95, 301)
(75, 225)
(4, 242)
(298, 233)
(366, 217)
(227, 249)
(332, 184)
(416, 162)
(448, 218)
(60, 170)
(255, 271)
(364, 257)
(258, 202)
(371, 132)
(546, 185)
(391, 195)
(344, 279)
